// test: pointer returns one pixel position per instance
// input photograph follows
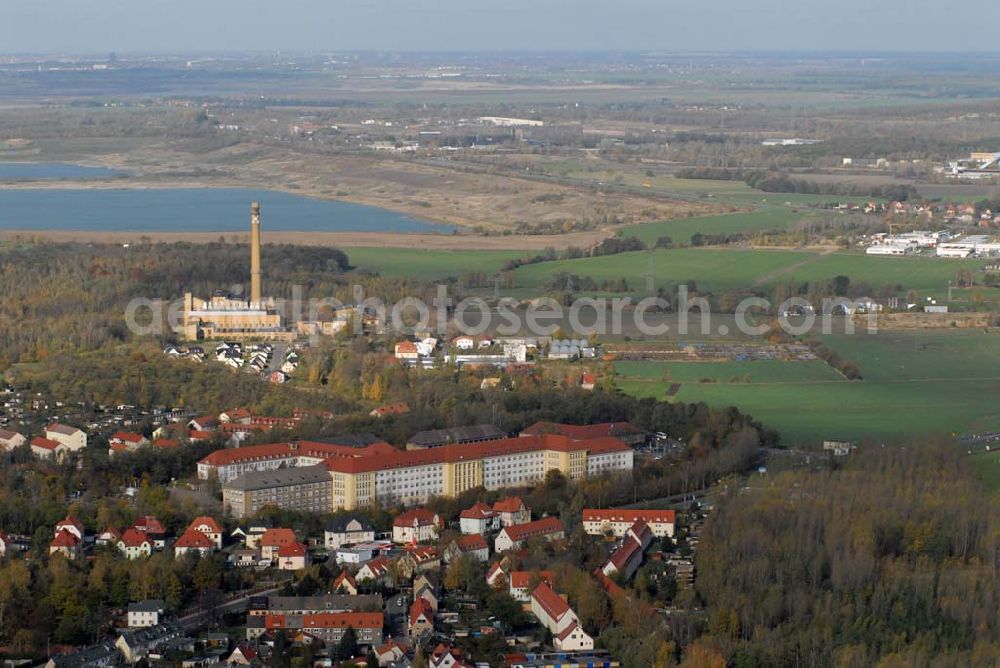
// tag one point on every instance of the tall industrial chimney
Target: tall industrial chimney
(255, 254)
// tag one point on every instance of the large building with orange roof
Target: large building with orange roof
(379, 473)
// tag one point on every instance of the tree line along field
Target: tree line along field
(724, 269)
(915, 384)
(681, 230)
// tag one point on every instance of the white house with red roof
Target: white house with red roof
(65, 543)
(421, 618)
(135, 544)
(345, 582)
(415, 526)
(71, 524)
(617, 522)
(554, 613)
(478, 519)
(109, 536)
(511, 511)
(548, 528)
(46, 448)
(471, 544)
(522, 583)
(153, 528)
(126, 441)
(273, 540)
(627, 558)
(193, 541)
(208, 526)
(236, 416)
(407, 350)
(376, 570)
(293, 557)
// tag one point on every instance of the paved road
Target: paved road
(395, 614)
(198, 620)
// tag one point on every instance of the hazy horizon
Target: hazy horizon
(183, 26)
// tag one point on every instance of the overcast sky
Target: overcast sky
(441, 25)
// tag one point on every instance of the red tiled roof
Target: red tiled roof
(521, 579)
(7, 435)
(423, 553)
(567, 631)
(406, 347)
(65, 539)
(127, 437)
(378, 565)
(416, 517)
(328, 620)
(480, 511)
(166, 443)
(278, 537)
(471, 451)
(292, 550)
(209, 522)
(471, 542)
(419, 607)
(270, 451)
(344, 576)
(609, 585)
(195, 540)
(542, 527)
(551, 602)
(111, 531)
(150, 525)
(630, 516)
(70, 520)
(46, 443)
(134, 538)
(627, 551)
(511, 504)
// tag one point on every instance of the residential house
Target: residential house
(71, 524)
(206, 423)
(426, 586)
(478, 519)
(135, 544)
(10, 440)
(415, 526)
(329, 627)
(46, 448)
(66, 544)
(471, 544)
(242, 655)
(511, 511)
(293, 557)
(389, 652)
(345, 583)
(418, 559)
(549, 528)
(421, 618)
(208, 526)
(617, 522)
(496, 576)
(109, 536)
(145, 613)
(126, 441)
(464, 343)
(347, 530)
(4, 544)
(376, 570)
(152, 527)
(193, 541)
(273, 540)
(137, 644)
(554, 613)
(627, 558)
(235, 416)
(407, 350)
(522, 583)
(72, 438)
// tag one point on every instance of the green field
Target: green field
(429, 264)
(987, 466)
(759, 371)
(722, 269)
(916, 384)
(681, 229)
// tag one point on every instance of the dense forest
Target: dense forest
(892, 560)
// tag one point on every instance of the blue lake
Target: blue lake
(52, 171)
(193, 210)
